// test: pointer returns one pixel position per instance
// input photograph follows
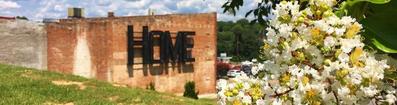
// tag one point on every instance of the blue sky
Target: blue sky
(39, 9)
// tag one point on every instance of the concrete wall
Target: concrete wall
(97, 48)
(23, 43)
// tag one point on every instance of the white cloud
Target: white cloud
(201, 6)
(50, 9)
(103, 2)
(133, 0)
(188, 3)
(8, 5)
(136, 4)
(99, 8)
(59, 8)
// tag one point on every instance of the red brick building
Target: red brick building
(6, 18)
(100, 48)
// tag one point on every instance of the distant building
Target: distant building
(50, 20)
(75, 12)
(7, 18)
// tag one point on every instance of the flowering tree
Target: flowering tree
(312, 57)
(375, 15)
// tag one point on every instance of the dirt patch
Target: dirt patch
(137, 100)
(113, 98)
(118, 85)
(64, 82)
(52, 103)
(168, 97)
(29, 74)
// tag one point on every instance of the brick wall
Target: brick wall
(97, 48)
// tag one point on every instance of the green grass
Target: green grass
(25, 86)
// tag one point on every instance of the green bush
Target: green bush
(190, 90)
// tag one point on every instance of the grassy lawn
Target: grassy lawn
(21, 86)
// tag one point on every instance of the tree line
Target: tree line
(240, 39)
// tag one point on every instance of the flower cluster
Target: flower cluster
(313, 57)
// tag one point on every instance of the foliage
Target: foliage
(22, 17)
(313, 57)
(375, 15)
(190, 90)
(26, 86)
(249, 36)
(380, 26)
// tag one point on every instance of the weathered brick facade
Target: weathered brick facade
(97, 48)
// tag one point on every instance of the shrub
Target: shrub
(190, 90)
(151, 86)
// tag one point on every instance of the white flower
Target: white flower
(246, 86)
(222, 101)
(282, 9)
(294, 8)
(343, 91)
(329, 41)
(335, 66)
(343, 57)
(298, 43)
(317, 56)
(277, 102)
(260, 102)
(374, 69)
(369, 91)
(347, 20)
(286, 55)
(246, 99)
(340, 31)
(356, 78)
(348, 44)
(330, 30)
(322, 25)
(333, 20)
(390, 98)
(296, 95)
(304, 31)
(329, 3)
(231, 85)
(285, 30)
(221, 94)
(312, 72)
(294, 70)
(221, 84)
(272, 38)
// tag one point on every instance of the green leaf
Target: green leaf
(371, 1)
(381, 26)
(356, 8)
(382, 47)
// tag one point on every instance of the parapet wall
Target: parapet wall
(23, 43)
(97, 48)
